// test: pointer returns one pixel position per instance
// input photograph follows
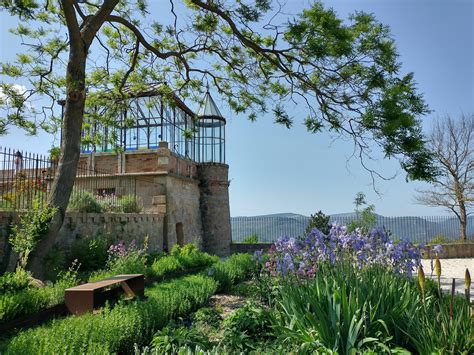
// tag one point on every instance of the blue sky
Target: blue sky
(275, 170)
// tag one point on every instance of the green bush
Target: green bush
(251, 239)
(170, 338)
(180, 259)
(233, 270)
(130, 204)
(84, 202)
(33, 225)
(320, 221)
(30, 300)
(247, 328)
(14, 281)
(207, 315)
(439, 239)
(91, 253)
(116, 330)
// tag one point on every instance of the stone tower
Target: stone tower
(213, 174)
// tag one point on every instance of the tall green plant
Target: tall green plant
(366, 219)
(27, 234)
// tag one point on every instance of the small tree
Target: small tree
(320, 221)
(366, 218)
(452, 142)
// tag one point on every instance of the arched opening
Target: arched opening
(179, 234)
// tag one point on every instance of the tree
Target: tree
(366, 219)
(345, 73)
(452, 142)
(320, 221)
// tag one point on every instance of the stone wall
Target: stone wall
(183, 206)
(76, 226)
(215, 209)
(454, 250)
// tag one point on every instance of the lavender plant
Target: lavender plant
(302, 257)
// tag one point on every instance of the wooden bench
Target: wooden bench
(84, 298)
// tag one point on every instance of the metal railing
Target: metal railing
(416, 229)
(27, 178)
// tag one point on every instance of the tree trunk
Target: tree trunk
(70, 153)
(463, 220)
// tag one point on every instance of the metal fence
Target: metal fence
(26, 179)
(416, 229)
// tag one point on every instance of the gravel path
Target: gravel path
(452, 268)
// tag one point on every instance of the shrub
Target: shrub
(235, 269)
(91, 253)
(30, 300)
(319, 221)
(123, 259)
(181, 258)
(130, 204)
(84, 202)
(14, 281)
(247, 327)
(33, 225)
(251, 239)
(207, 315)
(439, 239)
(116, 330)
(170, 338)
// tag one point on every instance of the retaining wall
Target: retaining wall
(76, 226)
(451, 251)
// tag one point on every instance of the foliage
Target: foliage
(170, 338)
(130, 204)
(319, 221)
(290, 256)
(91, 253)
(30, 300)
(247, 328)
(251, 239)
(116, 330)
(348, 72)
(366, 219)
(84, 202)
(236, 268)
(440, 239)
(33, 225)
(54, 153)
(14, 281)
(181, 258)
(350, 310)
(123, 259)
(208, 315)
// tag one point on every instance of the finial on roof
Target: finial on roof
(209, 107)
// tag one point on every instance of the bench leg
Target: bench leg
(134, 288)
(79, 302)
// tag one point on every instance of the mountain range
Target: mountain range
(417, 229)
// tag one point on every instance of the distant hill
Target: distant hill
(418, 229)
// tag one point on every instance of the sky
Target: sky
(276, 170)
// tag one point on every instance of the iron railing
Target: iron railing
(416, 229)
(27, 178)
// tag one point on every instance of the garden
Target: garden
(342, 292)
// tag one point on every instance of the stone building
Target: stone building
(175, 161)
